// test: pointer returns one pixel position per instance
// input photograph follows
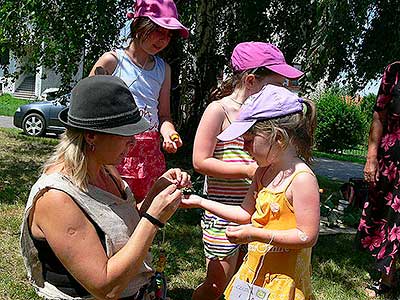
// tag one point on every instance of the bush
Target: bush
(367, 106)
(341, 123)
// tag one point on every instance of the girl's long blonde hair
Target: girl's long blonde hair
(296, 129)
(70, 155)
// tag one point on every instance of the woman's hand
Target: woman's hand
(242, 234)
(178, 177)
(371, 173)
(172, 142)
(165, 203)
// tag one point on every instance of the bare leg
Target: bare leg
(389, 278)
(386, 282)
(219, 273)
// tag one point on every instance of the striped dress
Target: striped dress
(226, 191)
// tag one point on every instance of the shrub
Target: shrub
(340, 122)
(367, 106)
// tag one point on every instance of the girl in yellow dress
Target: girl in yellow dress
(280, 214)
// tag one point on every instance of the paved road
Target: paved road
(337, 170)
(6, 122)
(333, 169)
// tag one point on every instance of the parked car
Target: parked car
(39, 118)
(49, 94)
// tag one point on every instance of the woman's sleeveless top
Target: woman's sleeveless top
(116, 217)
(145, 85)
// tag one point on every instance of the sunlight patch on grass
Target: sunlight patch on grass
(13, 281)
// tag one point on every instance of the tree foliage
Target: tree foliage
(352, 40)
(58, 34)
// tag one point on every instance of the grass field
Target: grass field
(339, 272)
(8, 104)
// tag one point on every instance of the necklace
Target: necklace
(141, 68)
(233, 100)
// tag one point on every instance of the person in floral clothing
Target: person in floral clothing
(379, 228)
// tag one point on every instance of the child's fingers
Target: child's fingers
(232, 229)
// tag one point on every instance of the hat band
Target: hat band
(130, 117)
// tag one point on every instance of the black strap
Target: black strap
(120, 190)
(153, 220)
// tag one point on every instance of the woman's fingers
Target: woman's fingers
(177, 176)
(166, 203)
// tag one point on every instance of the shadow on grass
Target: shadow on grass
(180, 293)
(336, 261)
(183, 242)
(21, 159)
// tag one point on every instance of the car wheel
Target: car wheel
(34, 124)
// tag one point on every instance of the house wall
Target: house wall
(47, 78)
(44, 78)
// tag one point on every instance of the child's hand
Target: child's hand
(172, 142)
(251, 170)
(190, 201)
(242, 234)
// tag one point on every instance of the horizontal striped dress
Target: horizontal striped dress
(226, 191)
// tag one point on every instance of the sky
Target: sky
(371, 87)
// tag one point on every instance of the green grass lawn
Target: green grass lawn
(8, 104)
(339, 272)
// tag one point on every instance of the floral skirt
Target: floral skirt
(379, 228)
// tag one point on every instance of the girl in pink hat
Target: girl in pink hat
(149, 79)
(227, 166)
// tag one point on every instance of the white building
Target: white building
(31, 85)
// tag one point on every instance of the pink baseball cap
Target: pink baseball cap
(250, 55)
(271, 102)
(163, 13)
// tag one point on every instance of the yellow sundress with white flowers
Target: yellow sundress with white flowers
(285, 273)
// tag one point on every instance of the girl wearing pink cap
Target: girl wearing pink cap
(149, 79)
(280, 213)
(227, 166)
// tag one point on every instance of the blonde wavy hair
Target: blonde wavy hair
(70, 155)
(297, 129)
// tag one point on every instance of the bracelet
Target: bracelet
(153, 220)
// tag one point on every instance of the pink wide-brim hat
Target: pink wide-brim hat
(161, 12)
(250, 55)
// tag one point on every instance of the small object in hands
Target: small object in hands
(162, 260)
(174, 137)
(158, 283)
(187, 191)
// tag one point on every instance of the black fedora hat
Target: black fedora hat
(103, 103)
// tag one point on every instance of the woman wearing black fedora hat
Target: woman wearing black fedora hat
(82, 236)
